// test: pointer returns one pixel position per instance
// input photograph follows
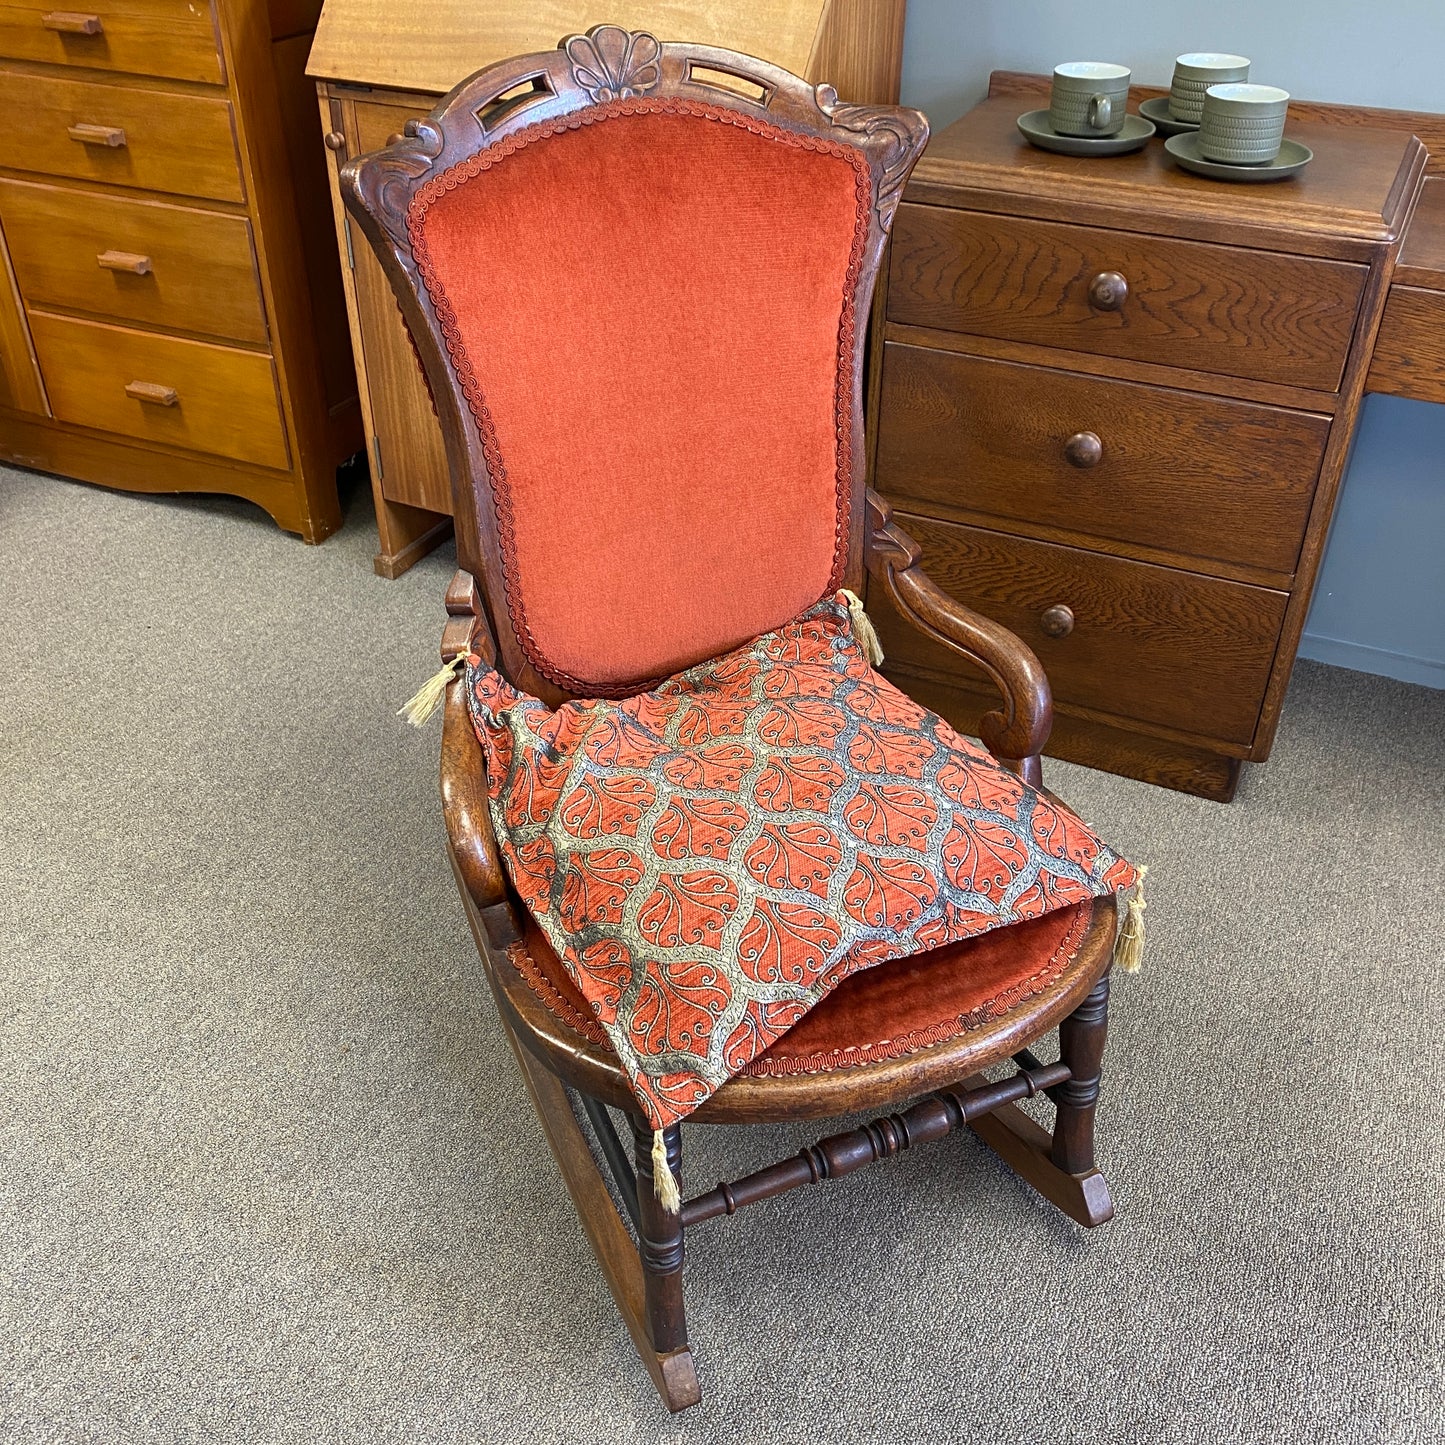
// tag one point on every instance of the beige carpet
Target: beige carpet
(268, 1173)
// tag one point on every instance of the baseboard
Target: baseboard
(1425, 671)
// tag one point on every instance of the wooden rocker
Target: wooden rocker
(638, 277)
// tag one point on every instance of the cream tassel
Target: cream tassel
(664, 1181)
(863, 629)
(1129, 946)
(427, 698)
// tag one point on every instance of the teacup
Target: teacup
(1242, 125)
(1194, 74)
(1089, 98)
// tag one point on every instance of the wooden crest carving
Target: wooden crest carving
(893, 134)
(611, 63)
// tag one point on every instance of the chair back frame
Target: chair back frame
(585, 71)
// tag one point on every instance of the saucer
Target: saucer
(1292, 158)
(1157, 110)
(1037, 131)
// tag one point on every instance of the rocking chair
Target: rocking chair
(638, 277)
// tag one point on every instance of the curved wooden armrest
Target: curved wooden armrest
(470, 839)
(1017, 734)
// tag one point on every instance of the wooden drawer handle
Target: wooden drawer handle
(96, 135)
(1057, 621)
(151, 391)
(1108, 291)
(125, 261)
(72, 22)
(1084, 450)
(335, 141)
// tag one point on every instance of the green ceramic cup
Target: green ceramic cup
(1194, 74)
(1089, 98)
(1242, 125)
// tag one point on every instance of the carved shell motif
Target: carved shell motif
(611, 63)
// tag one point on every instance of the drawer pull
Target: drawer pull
(72, 22)
(1084, 450)
(96, 135)
(1108, 291)
(125, 261)
(152, 392)
(335, 141)
(1057, 621)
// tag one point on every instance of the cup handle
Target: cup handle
(1101, 111)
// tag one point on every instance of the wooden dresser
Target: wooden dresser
(171, 316)
(378, 64)
(1113, 401)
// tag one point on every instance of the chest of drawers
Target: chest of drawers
(171, 315)
(1113, 401)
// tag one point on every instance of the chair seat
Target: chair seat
(919, 1021)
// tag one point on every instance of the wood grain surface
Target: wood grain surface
(201, 267)
(1187, 652)
(1198, 478)
(183, 144)
(1409, 358)
(1223, 309)
(226, 399)
(172, 38)
(1356, 192)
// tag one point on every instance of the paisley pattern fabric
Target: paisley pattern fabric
(711, 858)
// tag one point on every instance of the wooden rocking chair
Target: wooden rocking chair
(638, 277)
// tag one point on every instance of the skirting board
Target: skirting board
(1424, 671)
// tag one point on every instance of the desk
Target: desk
(1409, 355)
(1114, 402)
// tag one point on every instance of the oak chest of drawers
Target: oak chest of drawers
(1113, 402)
(171, 316)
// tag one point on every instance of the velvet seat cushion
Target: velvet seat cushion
(712, 858)
(884, 1013)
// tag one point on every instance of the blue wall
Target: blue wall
(1379, 602)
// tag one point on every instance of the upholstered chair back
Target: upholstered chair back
(640, 297)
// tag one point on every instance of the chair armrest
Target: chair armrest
(1017, 734)
(470, 839)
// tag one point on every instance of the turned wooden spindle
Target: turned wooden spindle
(1081, 1047)
(659, 1240)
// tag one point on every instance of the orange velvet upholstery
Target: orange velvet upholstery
(650, 309)
(882, 1013)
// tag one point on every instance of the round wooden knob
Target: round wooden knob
(394, 137)
(1057, 621)
(335, 141)
(1084, 450)
(1108, 291)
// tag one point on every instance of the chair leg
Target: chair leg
(659, 1241)
(1081, 1047)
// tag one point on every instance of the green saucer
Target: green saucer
(1157, 110)
(1037, 131)
(1292, 158)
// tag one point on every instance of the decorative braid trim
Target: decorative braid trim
(463, 171)
(827, 1061)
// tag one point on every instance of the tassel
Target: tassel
(863, 628)
(1129, 946)
(664, 1181)
(427, 698)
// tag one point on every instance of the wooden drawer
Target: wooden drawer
(161, 265)
(1179, 472)
(224, 400)
(175, 38)
(1221, 309)
(178, 143)
(1148, 643)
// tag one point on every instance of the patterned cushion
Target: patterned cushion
(711, 858)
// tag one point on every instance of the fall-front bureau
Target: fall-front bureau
(1113, 401)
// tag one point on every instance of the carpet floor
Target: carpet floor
(268, 1172)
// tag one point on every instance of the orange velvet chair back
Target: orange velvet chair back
(644, 297)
